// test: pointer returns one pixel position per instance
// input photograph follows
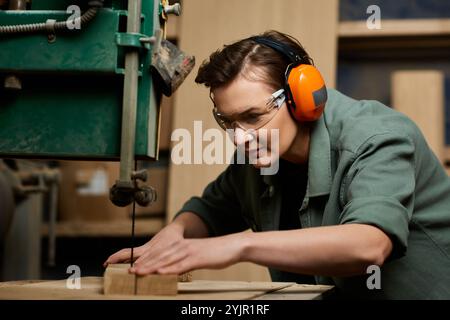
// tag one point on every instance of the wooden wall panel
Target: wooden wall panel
(420, 95)
(166, 123)
(205, 26)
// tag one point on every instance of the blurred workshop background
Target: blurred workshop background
(402, 60)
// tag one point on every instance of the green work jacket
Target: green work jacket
(368, 164)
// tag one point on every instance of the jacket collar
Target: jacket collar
(319, 162)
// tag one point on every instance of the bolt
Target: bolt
(12, 82)
(173, 9)
(51, 38)
(140, 175)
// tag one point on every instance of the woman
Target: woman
(357, 185)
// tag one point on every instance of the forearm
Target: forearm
(342, 250)
(192, 224)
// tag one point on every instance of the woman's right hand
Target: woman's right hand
(167, 237)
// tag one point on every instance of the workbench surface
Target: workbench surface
(92, 289)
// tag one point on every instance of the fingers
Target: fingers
(149, 267)
(117, 257)
(159, 247)
(152, 262)
(157, 251)
(150, 259)
(123, 255)
(178, 267)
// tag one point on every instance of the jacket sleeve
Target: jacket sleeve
(379, 188)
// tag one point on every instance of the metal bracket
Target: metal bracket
(124, 193)
(50, 29)
(133, 40)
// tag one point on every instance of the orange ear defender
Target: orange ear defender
(305, 88)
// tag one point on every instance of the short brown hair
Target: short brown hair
(226, 64)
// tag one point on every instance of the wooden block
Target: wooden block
(157, 284)
(117, 281)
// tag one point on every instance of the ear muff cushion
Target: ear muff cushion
(307, 92)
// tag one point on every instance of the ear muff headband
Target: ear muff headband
(304, 85)
(287, 51)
